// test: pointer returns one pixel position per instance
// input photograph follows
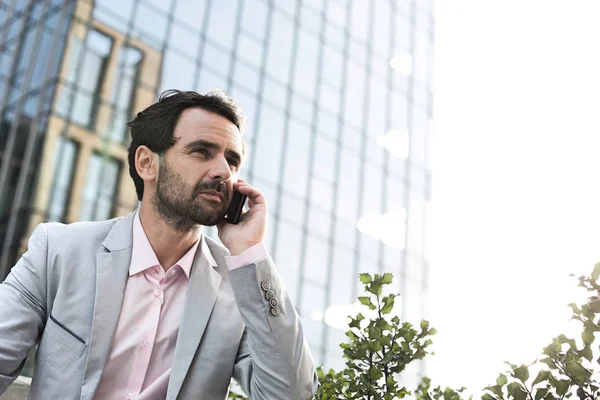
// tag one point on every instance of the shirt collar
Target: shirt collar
(143, 256)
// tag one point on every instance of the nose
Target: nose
(220, 169)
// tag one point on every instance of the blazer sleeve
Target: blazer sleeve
(23, 307)
(273, 360)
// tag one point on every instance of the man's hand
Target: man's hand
(253, 223)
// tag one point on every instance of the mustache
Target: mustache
(217, 186)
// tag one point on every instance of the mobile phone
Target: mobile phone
(234, 212)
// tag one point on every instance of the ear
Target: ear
(146, 163)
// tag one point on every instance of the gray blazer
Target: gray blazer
(65, 295)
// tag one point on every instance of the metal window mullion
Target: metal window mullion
(311, 162)
(266, 43)
(234, 45)
(73, 87)
(202, 43)
(10, 15)
(364, 134)
(12, 136)
(15, 63)
(286, 128)
(106, 136)
(410, 93)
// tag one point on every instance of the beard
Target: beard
(181, 206)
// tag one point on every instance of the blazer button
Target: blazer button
(273, 302)
(266, 285)
(270, 294)
(275, 311)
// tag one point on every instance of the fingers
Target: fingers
(255, 196)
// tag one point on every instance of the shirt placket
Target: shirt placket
(145, 344)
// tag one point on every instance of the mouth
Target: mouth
(211, 195)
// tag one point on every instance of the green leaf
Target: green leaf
(496, 389)
(577, 371)
(387, 278)
(562, 386)
(512, 387)
(520, 394)
(587, 336)
(541, 393)
(366, 278)
(586, 353)
(366, 301)
(541, 377)
(501, 380)
(596, 273)
(522, 373)
(388, 304)
(487, 396)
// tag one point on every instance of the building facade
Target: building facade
(339, 104)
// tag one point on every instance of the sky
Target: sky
(516, 179)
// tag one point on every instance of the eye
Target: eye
(201, 150)
(233, 162)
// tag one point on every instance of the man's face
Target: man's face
(196, 175)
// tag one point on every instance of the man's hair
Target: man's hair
(154, 126)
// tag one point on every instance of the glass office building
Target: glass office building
(339, 104)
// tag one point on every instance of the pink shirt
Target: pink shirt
(139, 363)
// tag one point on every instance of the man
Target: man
(145, 306)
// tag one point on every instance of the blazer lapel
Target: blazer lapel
(112, 266)
(202, 294)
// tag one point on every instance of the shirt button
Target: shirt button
(129, 396)
(157, 292)
(146, 343)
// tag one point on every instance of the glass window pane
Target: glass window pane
(337, 12)
(150, 25)
(279, 56)
(302, 108)
(335, 36)
(319, 221)
(250, 50)
(332, 66)
(321, 193)
(355, 94)
(324, 158)
(292, 208)
(316, 260)
(246, 76)
(360, 20)
(381, 28)
(267, 155)
(305, 78)
(104, 11)
(296, 162)
(100, 187)
(328, 124)
(343, 279)
(185, 39)
(123, 91)
(177, 73)
(345, 233)
(222, 21)
(347, 205)
(415, 222)
(191, 12)
(64, 164)
(288, 239)
(209, 80)
(216, 58)
(274, 93)
(254, 17)
(329, 98)
(417, 137)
